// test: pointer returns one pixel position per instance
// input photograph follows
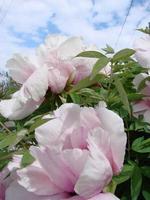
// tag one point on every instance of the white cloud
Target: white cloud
(24, 18)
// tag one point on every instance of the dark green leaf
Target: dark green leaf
(136, 182)
(122, 54)
(125, 174)
(135, 96)
(123, 94)
(141, 146)
(146, 194)
(146, 171)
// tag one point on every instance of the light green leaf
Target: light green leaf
(84, 83)
(27, 159)
(8, 140)
(99, 65)
(136, 182)
(91, 54)
(20, 135)
(37, 123)
(122, 54)
(111, 187)
(108, 49)
(123, 94)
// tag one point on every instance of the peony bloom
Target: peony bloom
(142, 48)
(79, 151)
(54, 66)
(142, 107)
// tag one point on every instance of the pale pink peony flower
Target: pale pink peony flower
(54, 65)
(142, 48)
(79, 151)
(142, 107)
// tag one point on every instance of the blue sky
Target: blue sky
(25, 23)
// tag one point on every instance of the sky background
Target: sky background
(25, 23)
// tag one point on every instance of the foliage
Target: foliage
(118, 92)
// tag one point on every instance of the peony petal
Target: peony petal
(75, 198)
(35, 180)
(17, 192)
(20, 68)
(83, 68)
(79, 135)
(96, 174)
(36, 86)
(140, 106)
(75, 159)
(71, 162)
(52, 162)
(14, 109)
(57, 80)
(48, 133)
(142, 47)
(71, 47)
(147, 116)
(104, 196)
(69, 114)
(114, 125)
(54, 41)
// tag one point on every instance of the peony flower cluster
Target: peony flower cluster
(54, 65)
(79, 151)
(80, 148)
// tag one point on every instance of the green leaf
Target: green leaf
(108, 49)
(123, 54)
(146, 30)
(91, 54)
(146, 194)
(135, 96)
(125, 174)
(122, 93)
(27, 159)
(99, 65)
(143, 83)
(136, 182)
(111, 187)
(146, 171)
(8, 140)
(37, 123)
(141, 146)
(20, 135)
(84, 83)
